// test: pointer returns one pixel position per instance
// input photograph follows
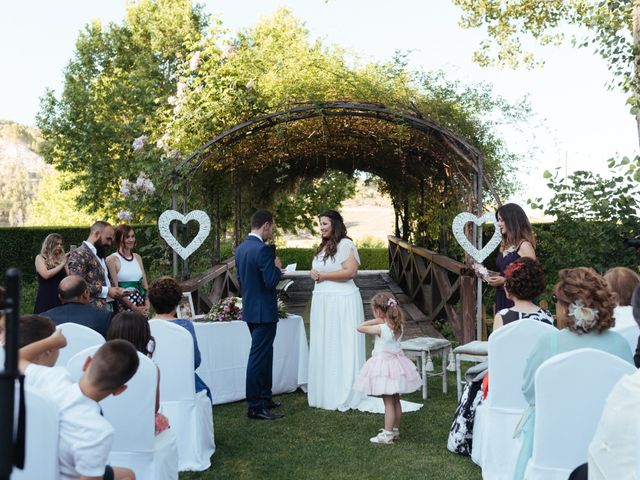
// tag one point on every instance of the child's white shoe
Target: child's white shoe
(385, 437)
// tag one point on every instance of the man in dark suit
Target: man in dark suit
(75, 297)
(258, 273)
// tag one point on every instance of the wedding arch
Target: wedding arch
(424, 164)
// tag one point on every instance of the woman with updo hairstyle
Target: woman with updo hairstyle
(524, 282)
(584, 305)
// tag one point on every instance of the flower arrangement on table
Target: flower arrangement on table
(230, 308)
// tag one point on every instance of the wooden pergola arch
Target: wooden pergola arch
(412, 119)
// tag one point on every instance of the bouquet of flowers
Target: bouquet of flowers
(282, 309)
(227, 309)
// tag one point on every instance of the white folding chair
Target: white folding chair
(494, 447)
(630, 333)
(571, 389)
(132, 415)
(41, 449)
(190, 414)
(78, 338)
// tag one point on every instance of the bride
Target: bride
(337, 350)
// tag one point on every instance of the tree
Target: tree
(55, 205)
(613, 28)
(119, 78)
(17, 189)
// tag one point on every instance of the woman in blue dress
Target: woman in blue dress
(518, 241)
(584, 305)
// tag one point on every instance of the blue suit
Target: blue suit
(258, 277)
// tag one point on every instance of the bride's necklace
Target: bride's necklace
(123, 256)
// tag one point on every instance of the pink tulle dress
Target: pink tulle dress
(388, 371)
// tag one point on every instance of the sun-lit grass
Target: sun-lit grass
(318, 444)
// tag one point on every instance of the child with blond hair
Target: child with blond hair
(388, 372)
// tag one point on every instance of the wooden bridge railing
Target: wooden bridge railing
(437, 285)
(212, 285)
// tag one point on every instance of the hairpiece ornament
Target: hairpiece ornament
(514, 267)
(392, 302)
(585, 317)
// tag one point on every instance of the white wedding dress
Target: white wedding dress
(337, 351)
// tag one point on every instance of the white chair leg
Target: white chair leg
(425, 392)
(458, 377)
(443, 356)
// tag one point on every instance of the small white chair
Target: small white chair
(422, 347)
(571, 389)
(475, 351)
(78, 338)
(190, 414)
(41, 449)
(132, 415)
(494, 447)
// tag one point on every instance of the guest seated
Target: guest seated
(85, 435)
(134, 328)
(524, 282)
(75, 297)
(165, 295)
(584, 304)
(622, 281)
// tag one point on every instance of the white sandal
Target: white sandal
(385, 437)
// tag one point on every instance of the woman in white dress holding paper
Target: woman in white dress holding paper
(337, 350)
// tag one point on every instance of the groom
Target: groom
(258, 273)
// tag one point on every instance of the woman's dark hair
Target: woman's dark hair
(518, 226)
(524, 279)
(584, 287)
(121, 233)
(164, 294)
(338, 232)
(134, 328)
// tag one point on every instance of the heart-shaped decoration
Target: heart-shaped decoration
(165, 232)
(458, 231)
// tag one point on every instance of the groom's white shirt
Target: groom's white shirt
(257, 236)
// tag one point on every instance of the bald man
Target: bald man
(75, 297)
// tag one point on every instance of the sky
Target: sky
(577, 122)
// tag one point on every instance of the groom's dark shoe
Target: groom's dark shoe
(263, 414)
(273, 404)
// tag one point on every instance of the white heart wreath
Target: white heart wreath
(165, 232)
(458, 231)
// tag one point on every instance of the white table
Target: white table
(224, 347)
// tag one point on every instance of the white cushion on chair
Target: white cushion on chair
(132, 415)
(494, 447)
(78, 338)
(41, 449)
(477, 347)
(190, 414)
(570, 392)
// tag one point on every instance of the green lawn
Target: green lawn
(310, 443)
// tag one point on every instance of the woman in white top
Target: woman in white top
(127, 271)
(337, 351)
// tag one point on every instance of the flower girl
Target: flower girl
(388, 372)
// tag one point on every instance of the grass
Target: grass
(317, 444)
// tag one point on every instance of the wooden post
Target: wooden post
(468, 310)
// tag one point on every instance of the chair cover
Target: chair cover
(630, 333)
(41, 449)
(571, 389)
(132, 415)
(78, 338)
(190, 414)
(494, 447)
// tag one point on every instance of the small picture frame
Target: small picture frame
(185, 307)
